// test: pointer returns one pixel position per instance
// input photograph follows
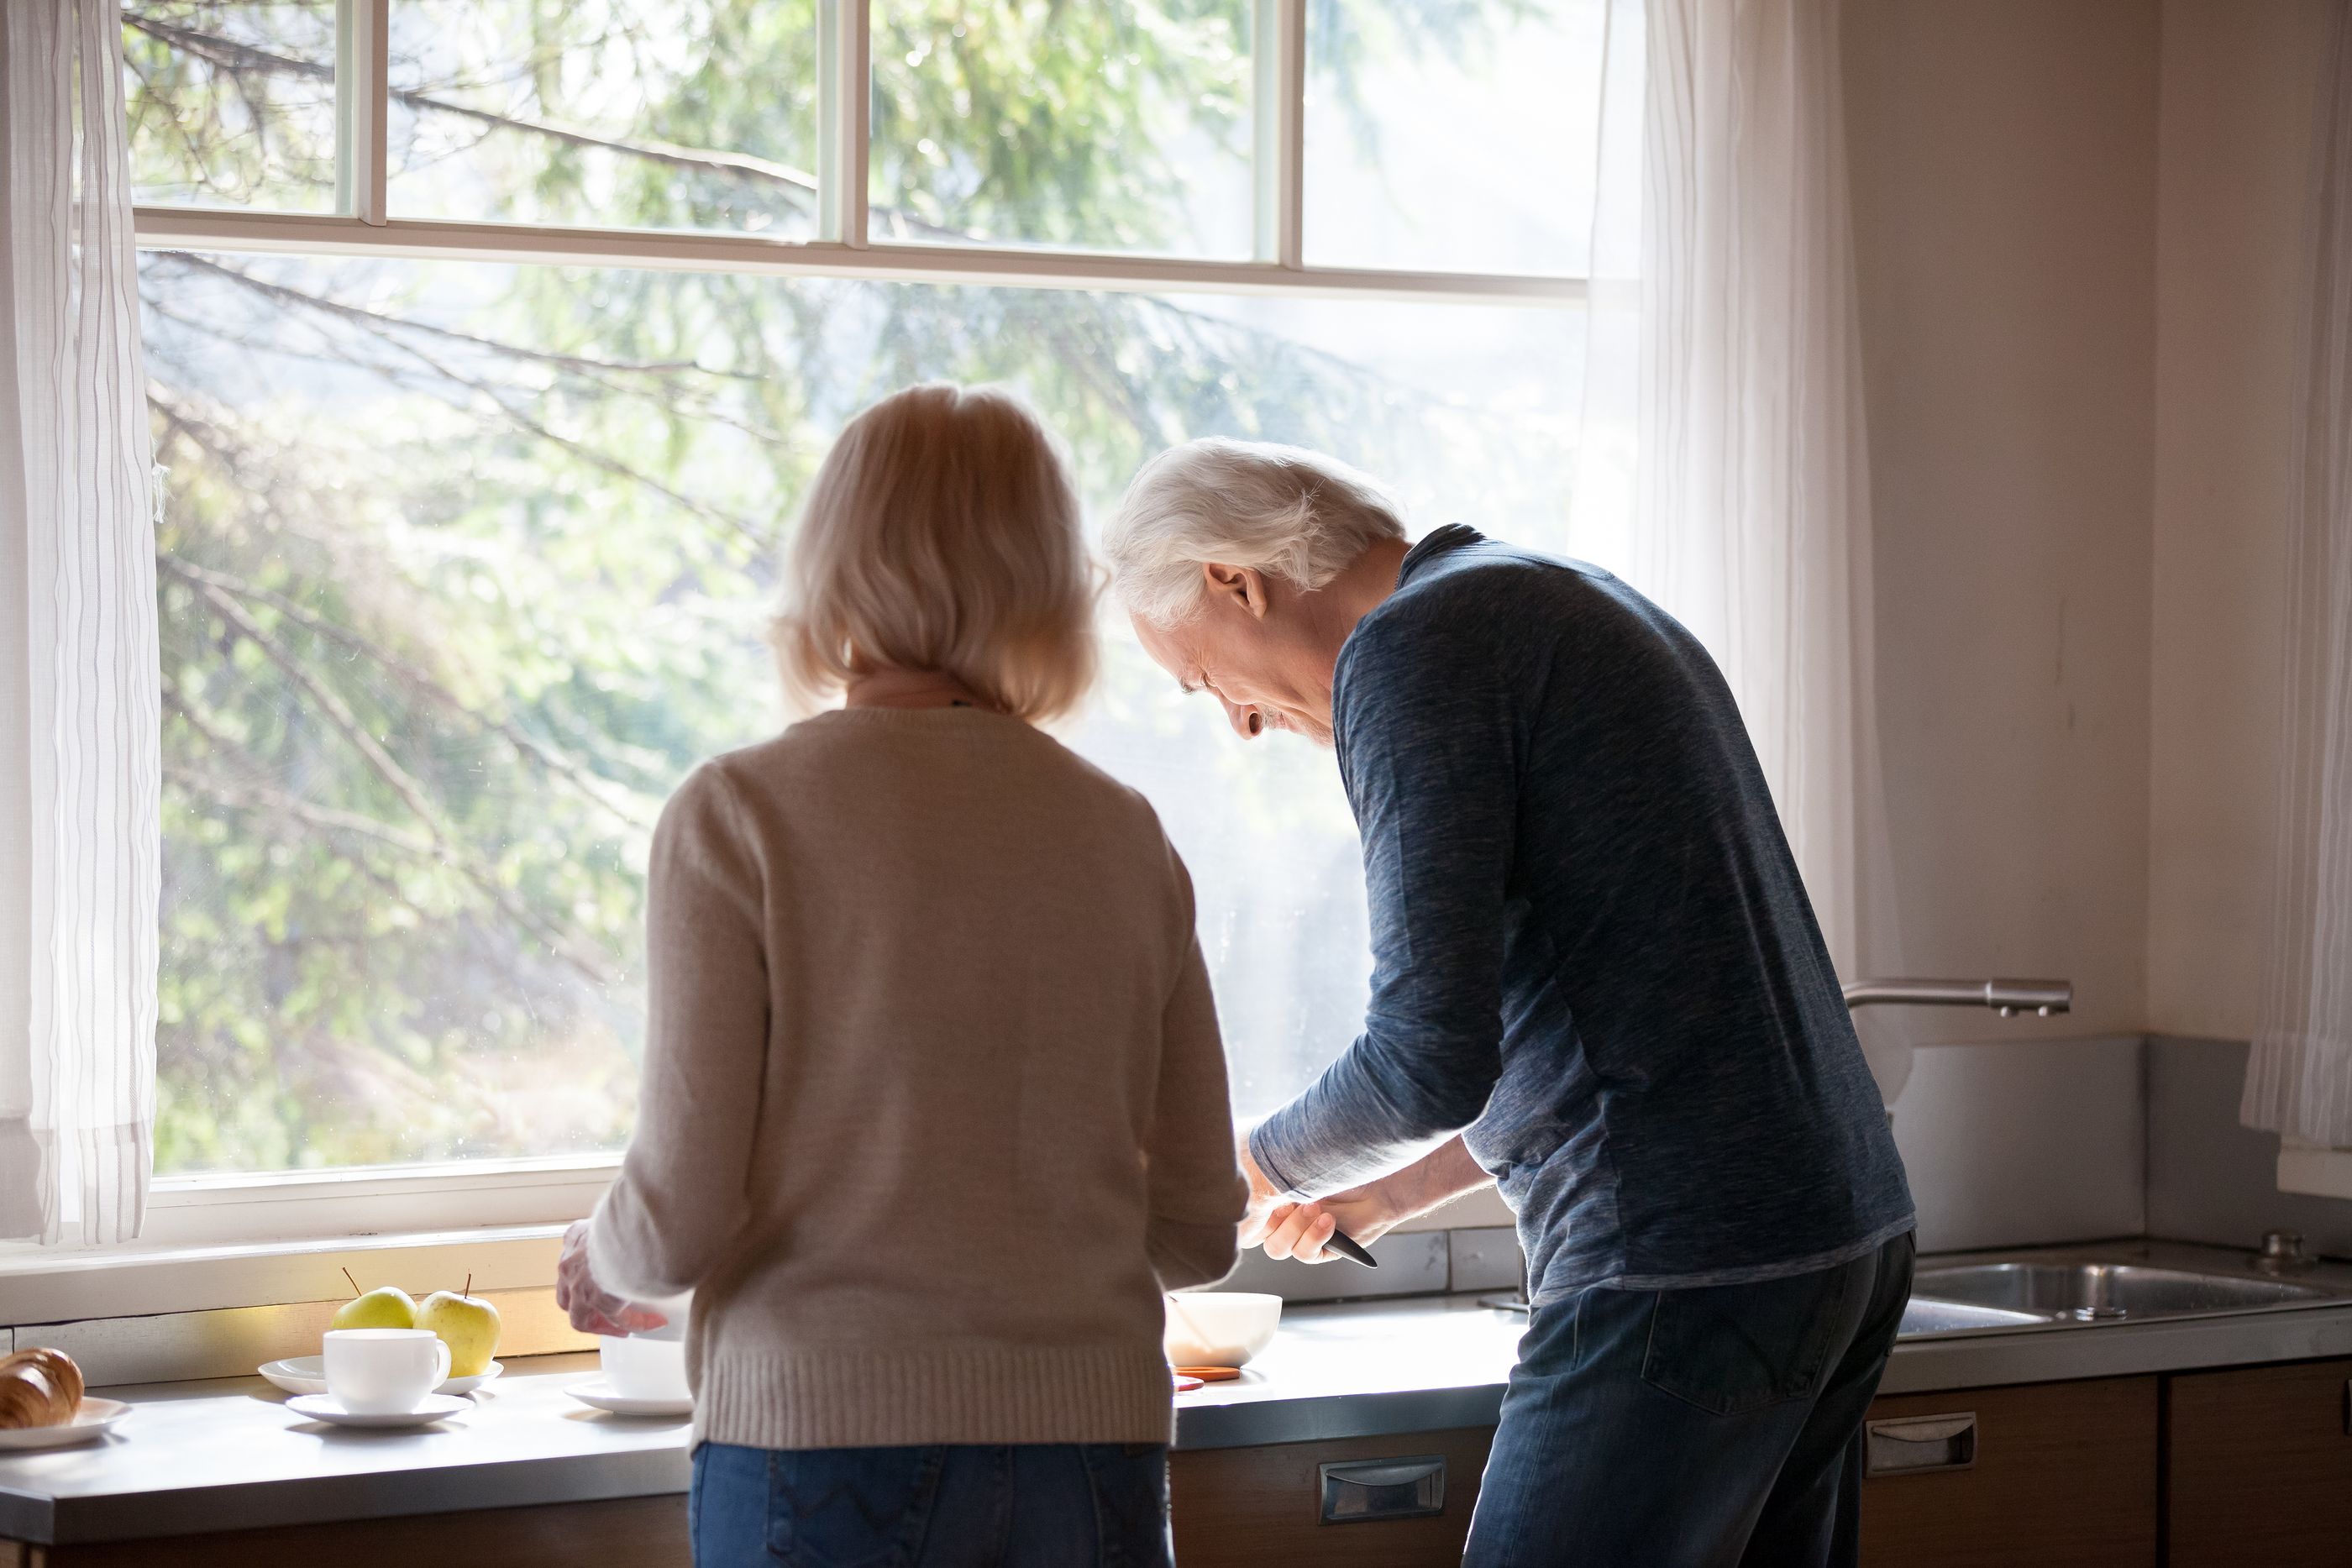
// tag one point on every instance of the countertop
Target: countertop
(197, 1457)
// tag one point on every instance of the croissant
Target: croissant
(38, 1388)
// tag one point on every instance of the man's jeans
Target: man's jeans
(1064, 1505)
(1720, 1425)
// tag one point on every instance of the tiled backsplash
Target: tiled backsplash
(1413, 1264)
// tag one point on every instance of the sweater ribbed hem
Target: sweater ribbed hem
(850, 1398)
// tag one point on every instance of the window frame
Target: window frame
(361, 226)
(269, 1208)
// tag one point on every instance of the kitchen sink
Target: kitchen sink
(2097, 1292)
(1921, 1316)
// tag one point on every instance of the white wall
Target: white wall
(2079, 237)
(2079, 232)
(2004, 167)
(2234, 135)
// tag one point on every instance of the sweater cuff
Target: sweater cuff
(1271, 1163)
(608, 1260)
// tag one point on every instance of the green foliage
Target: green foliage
(463, 567)
(1052, 121)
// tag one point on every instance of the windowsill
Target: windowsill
(259, 1240)
(217, 1243)
(145, 1278)
(293, 1206)
(2314, 1170)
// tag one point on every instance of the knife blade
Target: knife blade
(1347, 1246)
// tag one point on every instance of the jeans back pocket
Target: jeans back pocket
(1733, 1348)
(850, 1508)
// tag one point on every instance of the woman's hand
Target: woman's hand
(594, 1308)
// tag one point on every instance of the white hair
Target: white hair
(1283, 510)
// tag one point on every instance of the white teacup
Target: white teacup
(383, 1372)
(644, 1366)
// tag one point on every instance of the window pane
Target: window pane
(1122, 125)
(1448, 135)
(464, 565)
(680, 114)
(231, 102)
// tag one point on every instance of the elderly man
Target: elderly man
(1596, 981)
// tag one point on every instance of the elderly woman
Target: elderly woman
(934, 1103)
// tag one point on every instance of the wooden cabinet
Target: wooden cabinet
(2258, 1466)
(1264, 1505)
(2060, 1472)
(640, 1532)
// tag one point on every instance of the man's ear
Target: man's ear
(1243, 586)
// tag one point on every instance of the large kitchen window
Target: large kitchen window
(492, 341)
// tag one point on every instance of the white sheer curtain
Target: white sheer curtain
(79, 673)
(1752, 516)
(2299, 1075)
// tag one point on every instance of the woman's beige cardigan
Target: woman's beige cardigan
(934, 1103)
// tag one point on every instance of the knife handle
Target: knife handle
(1347, 1246)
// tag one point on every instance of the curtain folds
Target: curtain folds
(80, 679)
(2299, 1074)
(1753, 502)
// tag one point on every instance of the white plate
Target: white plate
(92, 1419)
(326, 1408)
(601, 1396)
(308, 1375)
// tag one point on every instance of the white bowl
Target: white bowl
(1219, 1328)
(644, 1366)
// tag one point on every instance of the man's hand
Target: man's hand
(594, 1308)
(1303, 1230)
(1290, 1229)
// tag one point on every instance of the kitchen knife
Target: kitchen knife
(1347, 1246)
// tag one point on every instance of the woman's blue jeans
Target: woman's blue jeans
(1697, 1428)
(1059, 1505)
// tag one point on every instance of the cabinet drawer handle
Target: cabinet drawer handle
(1369, 1489)
(1919, 1444)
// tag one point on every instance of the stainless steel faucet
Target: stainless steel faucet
(2007, 998)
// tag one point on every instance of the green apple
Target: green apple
(385, 1307)
(469, 1326)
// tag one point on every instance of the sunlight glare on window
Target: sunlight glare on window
(463, 567)
(682, 114)
(1453, 135)
(231, 103)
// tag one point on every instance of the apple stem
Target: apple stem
(356, 1284)
(469, 1286)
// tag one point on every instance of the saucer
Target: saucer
(308, 1375)
(600, 1394)
(324, 1407)
(92, 1419)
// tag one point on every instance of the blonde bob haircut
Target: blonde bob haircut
(943, 533)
